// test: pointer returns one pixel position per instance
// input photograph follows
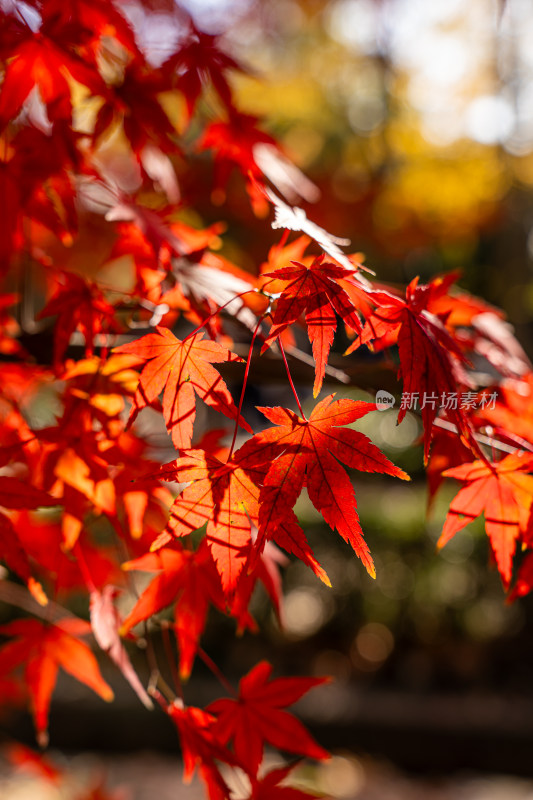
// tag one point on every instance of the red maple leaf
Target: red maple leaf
(84, 23)
(447, 451)
(234, 141)
(315, 291)
(188, 579)
(199, 59)
(80, 305)
(36, 183)
(181, 369)
(307, 452)
(270, 788)
(288, 534)
(135, 104)
(257, 716)
(266, 570)
(41, 649)
(430, 359)
(201, 748)
(503, 491)
(511, 415)
(18, 495)
(43, 542)
(13, 554)
(39, 61)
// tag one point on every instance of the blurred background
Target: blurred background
(415, 120)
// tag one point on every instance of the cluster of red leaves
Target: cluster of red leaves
(99, 220)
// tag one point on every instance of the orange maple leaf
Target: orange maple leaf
(181, 369)
(503, 491)
(42, 649)
(224, 496)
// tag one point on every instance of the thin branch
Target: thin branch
(20, 597)
(487, 440)
(218, 310)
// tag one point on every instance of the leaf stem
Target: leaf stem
(167, 644)
(20, 597)
(208, 661)
(156, 679)
(244, 383)
(84, 569)
(295, 393)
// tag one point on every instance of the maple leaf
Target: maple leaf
(266, 570)
(15, 556)
(213, 281)
(257, 716)
(478, 326)
(199, 59)
(43, 541)
(307, 452)
(134, 103)
(447, 451)
(269, 788)
(281, 253)
(511, 416)
(35, 183)
(18, 495)
(188, 579)
(81, 305)
(84, 23)
(221, 494)
(234, 141)
(503, 491)
(315, 291)
(295, 219)
(103, 383)
(430, 359)
(181, 369)
(288, 534)
(42, 649)
(38, 61)
(201, 748)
